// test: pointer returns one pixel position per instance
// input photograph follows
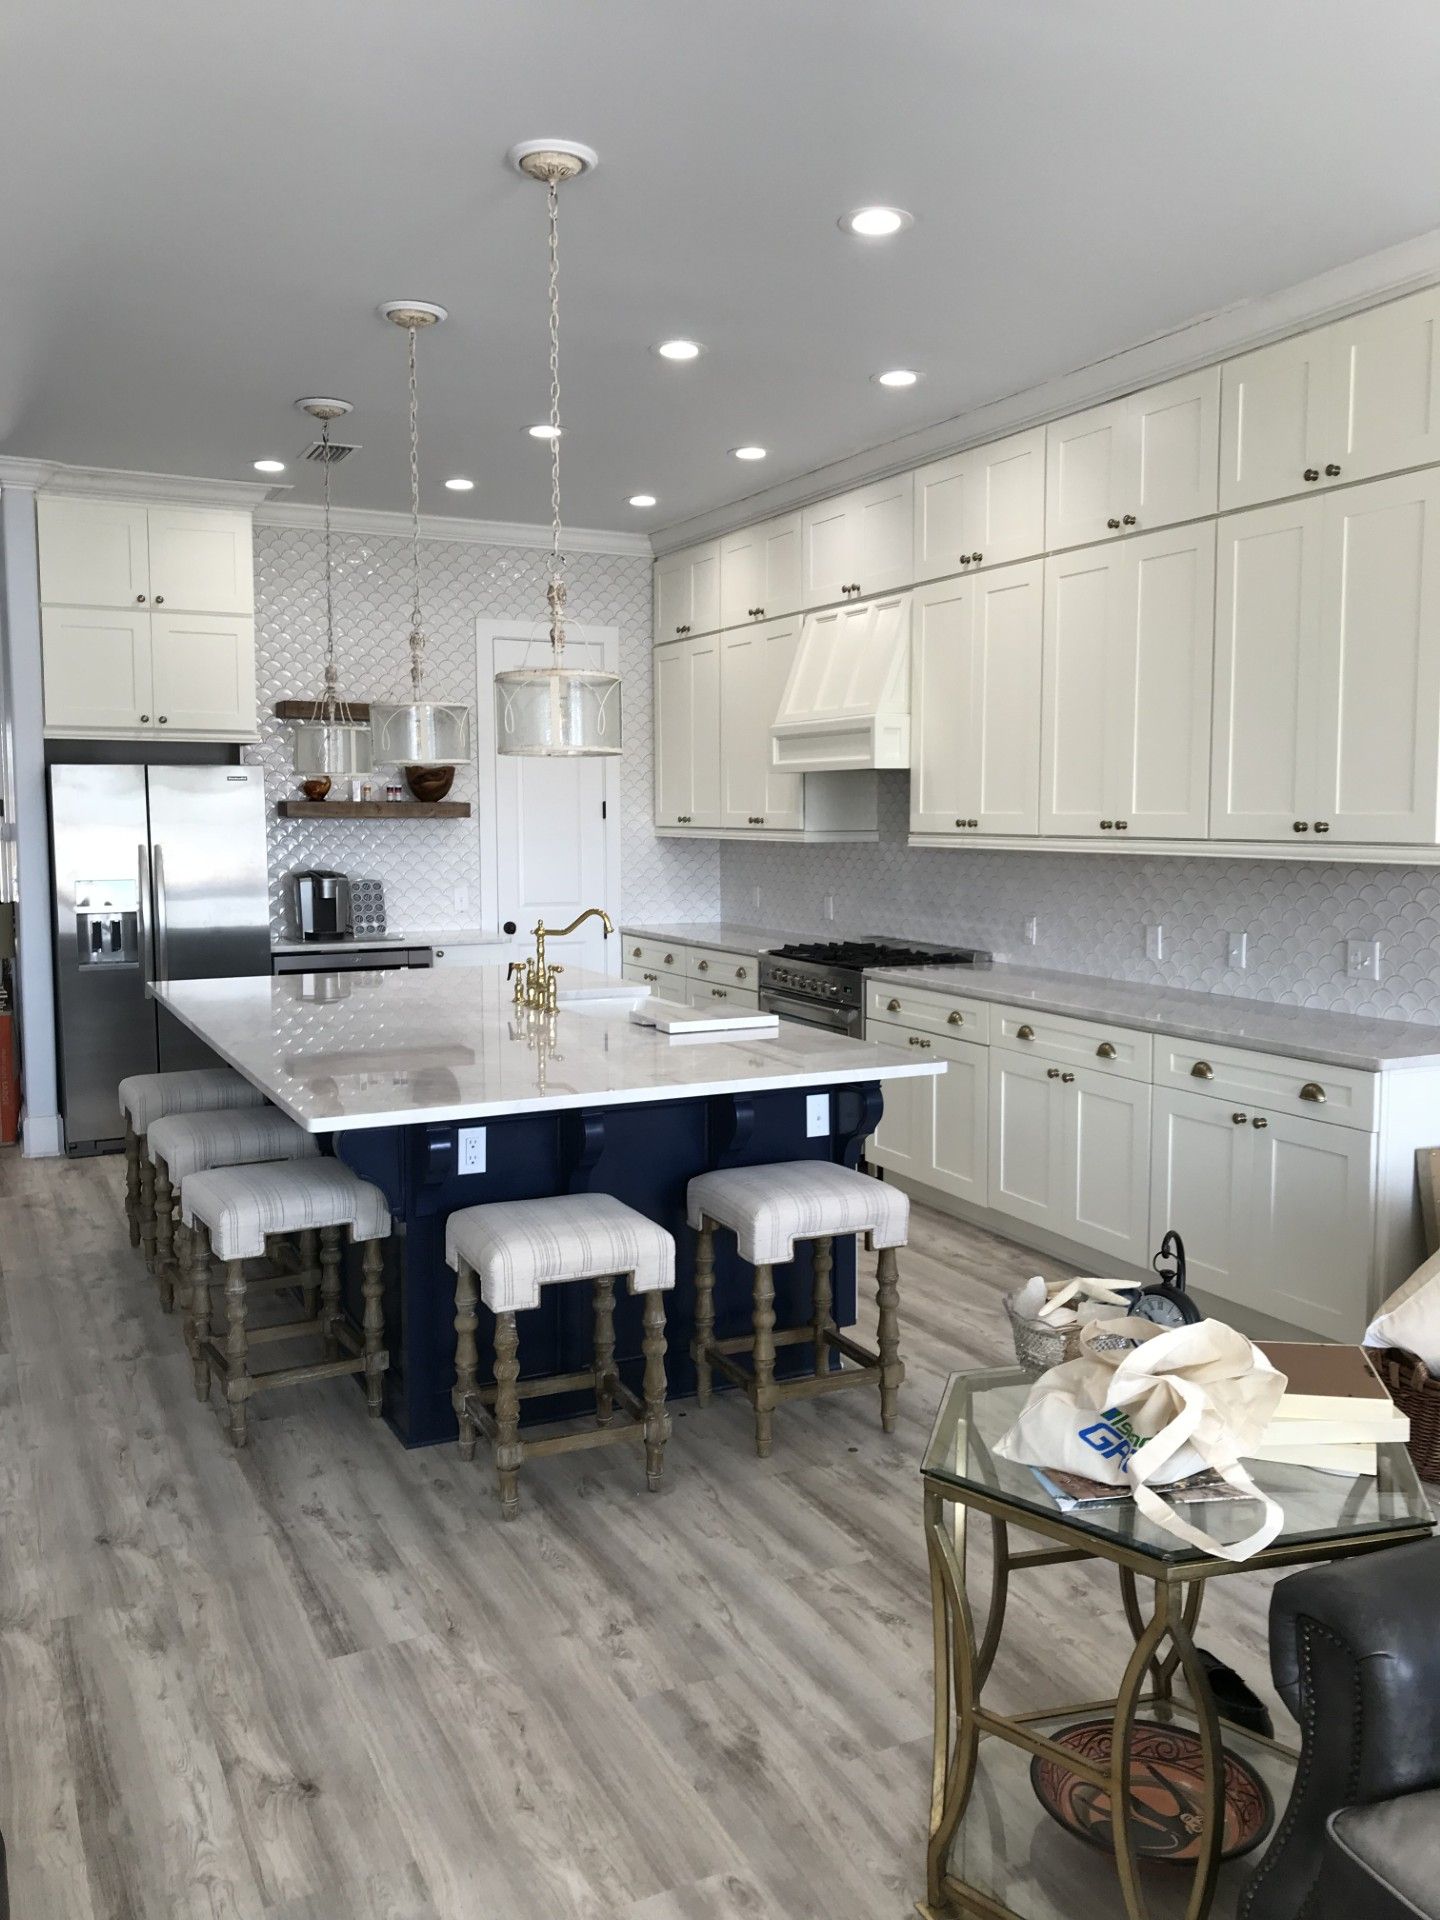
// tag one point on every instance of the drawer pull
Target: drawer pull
(1066, 1078)
(1105, 1050)
(651, 977)
(1261, 1122)
(669, 959)
(635, 953)
(957, 1019)
(1312, 1090)
(742, 973)
(719, 993)
(892, 1006)
(1202, 1070)
(1025, 1033)
(702, 966)
(1239, 1118)
(1052, 1073)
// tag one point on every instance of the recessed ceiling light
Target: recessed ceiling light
(642, 499)
(896, 377)
(460, 485)
(748, 453)
(876, 223)
(544, 431)
(679, 349)
(269, 466)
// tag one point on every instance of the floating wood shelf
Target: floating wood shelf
(374, 809)
(356, 710)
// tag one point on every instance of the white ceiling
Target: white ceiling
(203, 204)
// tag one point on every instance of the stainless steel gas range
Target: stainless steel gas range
(822, 983)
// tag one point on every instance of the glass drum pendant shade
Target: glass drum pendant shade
(421, 733)
(338, 747)
(557, 711)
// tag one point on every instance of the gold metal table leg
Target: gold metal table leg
(955, 1679)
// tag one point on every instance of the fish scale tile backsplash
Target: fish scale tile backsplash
(1092, 911)
(423, 863)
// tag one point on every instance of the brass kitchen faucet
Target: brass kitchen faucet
(536, 980)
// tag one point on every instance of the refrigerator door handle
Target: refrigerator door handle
(162, 929)
(142, 922)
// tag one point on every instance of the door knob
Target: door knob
(1202, 1070)
(702, 966)
(1121, 826)
(1312, 1090)
(1105, 1050)
(164, 719)
(1025, 1033)
(509, 927)
(1114, 525)
(1052, 1073)
(670, 960)
(635, 953)
(1261, 1122)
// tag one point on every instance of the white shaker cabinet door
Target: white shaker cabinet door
(1160, 685)
(780, 568)
(674, 721)
(1175, 451)
(741, 576)
(1267, 639)
(96, 669)
(859, 543)
(1311, 1223)
(1105, 1154)
(1077, 698)
(1385, 379)
(1200, 1157)
(942, 721)
(1378, 674)
(1007, 520)
(93, 553)
(904, 1141)
(1274, 420)
(203, 671)
(201, 560)
(1000, 731)
(1026, 1140)
(754, 667)
(960, 1098)
(673, 607)
(1088, 467)
(705, 729)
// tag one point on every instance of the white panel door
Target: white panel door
(1174, 456)
(960, 1099)
(1378, 672)
(943, 780)
(1008, 499)
(1311, 1223)
(674, 724)
(202, 560)
(943, 515)
(705, 587)
(1028, 1176)
(203, 673)
(1001, 739)
(1200, 1156)
(96, 669)
(884, 516)
(1160, 685)
(780, 594)
(755, 664)
(1385, 380)
(93, 553)
(904, 1141)
(1267, 640)
(1077, 716)
(1105, 1154)
(705, 729)
(1088, 467)
(741, 567)
(1274, 420)
(674, 605)
(827, 551)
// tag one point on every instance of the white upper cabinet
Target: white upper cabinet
(1274, 420)
(859, 543)
(760, 572)
(1385, 385)
(975, 703)
(687, 733)
(201, 561)
(755, 664)
(203, 673)
(1082, 593)
(687, 592)
(1134, 464)
(93, 553)
(985, 507)
(96, 668)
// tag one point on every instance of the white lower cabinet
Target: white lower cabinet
(934, 1130)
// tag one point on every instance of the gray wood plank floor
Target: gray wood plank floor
(321, 1679)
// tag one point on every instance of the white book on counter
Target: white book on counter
(674, 1016)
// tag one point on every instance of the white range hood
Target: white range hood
(846, 706)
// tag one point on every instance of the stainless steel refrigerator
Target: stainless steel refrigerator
(159, 874)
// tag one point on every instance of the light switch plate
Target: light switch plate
(817, 1116)
(1154, 943)
(1236, 951)
(470, 1149)
(829, 906)
(1362, 959)
(1032, 929)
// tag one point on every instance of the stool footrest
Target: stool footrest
(569, 1442)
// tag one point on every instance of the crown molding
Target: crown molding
(121, 483)
(27, 474)
(1200, 342)
(443, 526)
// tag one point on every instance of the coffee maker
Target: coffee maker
(322, 904)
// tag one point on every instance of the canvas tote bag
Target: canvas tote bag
(1180, 1400)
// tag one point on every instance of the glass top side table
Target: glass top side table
(1009, 1848)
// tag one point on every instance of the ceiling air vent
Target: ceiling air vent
(328, 453)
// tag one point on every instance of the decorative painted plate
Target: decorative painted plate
(1167, 1784)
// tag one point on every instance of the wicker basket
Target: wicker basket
(1039, 1345)
(1416, 1391)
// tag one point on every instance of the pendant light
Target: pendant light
(332, 744)
(556, 710)
(424, 736)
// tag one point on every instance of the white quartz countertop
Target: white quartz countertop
(421, 937)
(1214, 1019)
(724, 934)
(378, 1049)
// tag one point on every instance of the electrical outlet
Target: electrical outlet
(1032, 929)
(817, 1116)
(1362, 959)
(755, 898)
(1154, 943)
(1236, 954)
(470, 1150)
(828, 906)
(460, 899)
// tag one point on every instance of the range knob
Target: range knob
(831, 987)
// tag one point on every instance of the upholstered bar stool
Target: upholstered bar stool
(181, 1144)
(508, 1252)
(236, 1214)
(147, 1097)
(769, 1209)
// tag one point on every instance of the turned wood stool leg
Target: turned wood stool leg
(657, 1420)
(372, 1268)
(892, 1368)
(465, 1355)
(764, 1358)
(704, 1310)
(604, 1350)
(164, 1237)
(132, 1181)
(237, 1347)
(182, 1291)
(147, 1209)
(309, 1254)
(200, 1307)
(330, 1289)
(821, 1300)
(509, 1452)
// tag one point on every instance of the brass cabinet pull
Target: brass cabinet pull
(1066, 1078)
(742, 973)
(651, 977)
(1202, 1070)
(635, 953)
(1312, 1090)
(719, 993)
(957, 1019)
(1239, 1118)
(1052, 1073)
(1025, 1033)
(892, 1006)
(1312, 473)
(1261, 1122)
(1105, 1050)
(916, 1041)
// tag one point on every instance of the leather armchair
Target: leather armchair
(1355, 1654)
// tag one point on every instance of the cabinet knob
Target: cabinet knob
(965, 559)
(1106, 825)
(164, 719)
(1261, 1121)
(635, 953)
(892, 1006)
(1333, 471)
(1322, 826)
(145, 718)
(1312, 1090)
(1312, 473)
(957, 1020)
(972, 823)
(1239, 1118)
(439, 953)
(1052, 1073)
(1202, 1070)
(1128, 520)
(1114, 525)
(977, 558)
(669, 959)
(1105, 1050)
(1066, 1078)
(159, 599)
(760, 613)
(1025, 1033)
(139, 599)
(1300, 826)
(1122, 826)
(742, 973)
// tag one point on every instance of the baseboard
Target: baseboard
(42, 1136)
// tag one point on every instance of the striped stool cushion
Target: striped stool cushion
(516, 1247)
(191, 1143)
(147, 1097)
(242, 1205)
(770, 1208)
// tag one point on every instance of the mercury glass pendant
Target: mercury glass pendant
(556, 711)
(418, 733)
(331, 744)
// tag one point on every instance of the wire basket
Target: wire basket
(1416, 1391)
(1038, 1344)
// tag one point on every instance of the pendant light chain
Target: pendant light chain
(556, 592)
(328, 703)
(417, 635)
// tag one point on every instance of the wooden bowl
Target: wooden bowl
(316, 788)
(429, 783)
